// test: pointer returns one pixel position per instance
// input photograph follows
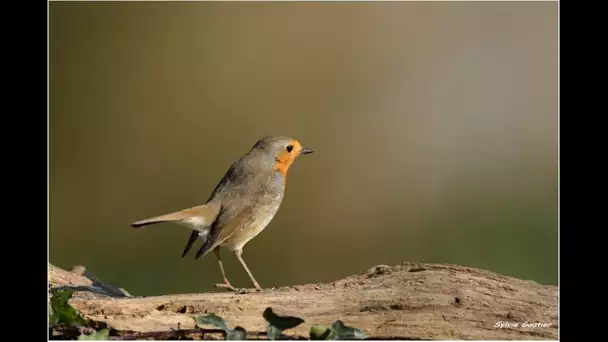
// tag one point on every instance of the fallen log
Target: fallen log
(407, 301)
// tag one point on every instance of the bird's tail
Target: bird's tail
(173, 217)
(200, 216)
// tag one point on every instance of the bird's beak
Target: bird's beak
(306, 150)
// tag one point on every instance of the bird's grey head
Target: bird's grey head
(279, 151)
(281, 147)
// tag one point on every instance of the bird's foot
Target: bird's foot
(227, 286)
(250, 290)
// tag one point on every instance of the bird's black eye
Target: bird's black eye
(289, 148)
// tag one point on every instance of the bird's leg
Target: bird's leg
(238, 253)
(226, 284)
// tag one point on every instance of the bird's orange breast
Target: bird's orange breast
(285, 159)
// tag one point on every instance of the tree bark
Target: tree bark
(407, 301)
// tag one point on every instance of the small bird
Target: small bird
(242, 204)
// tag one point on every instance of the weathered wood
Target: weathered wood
(421, 301)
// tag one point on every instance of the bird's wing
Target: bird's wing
(191, 239)
(227, 224)
(202, 218)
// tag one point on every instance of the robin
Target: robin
(242, 204)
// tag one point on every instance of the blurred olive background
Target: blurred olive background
(434, 126)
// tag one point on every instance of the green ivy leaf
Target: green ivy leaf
(279, 323)
(273, 332)
(339, 331)
(103, 334)
(319, 332)
(51, 315)
(236, 334)
(62, 312)
(212, 319)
